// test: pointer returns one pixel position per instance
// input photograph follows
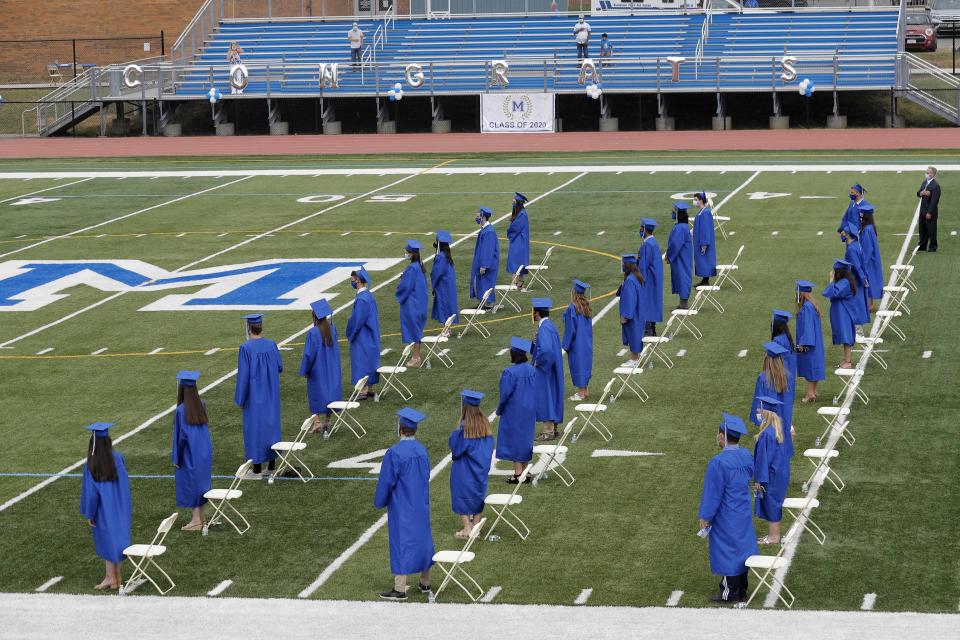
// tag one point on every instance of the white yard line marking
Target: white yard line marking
(605, 309)
(304, 235)
(33, 193)
(674, 598)
(180, 235)
(220, 235)
(386, 351)
(123, 217)
(102, 235)
(742, 354)
(345, 233)
(212, 351)
(556, 233)
(600, 233)
(155, 351)
(730, 195)
(43, 351)
(731, 233)
(869, 599)
(490, 595)
(819, 233)
(502, 351)
(927, 354)
(774, 233)
(388, 233)
(23, 235)
(614, 453)
(98, 351)
(681, 353)
(49, 583)
(220, 588)
(583, 597)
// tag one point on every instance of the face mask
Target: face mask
(759, 417)
(353, 283)
(853, 196)
(843, 238)
(673, 215)
(399, 435)
(478, 220)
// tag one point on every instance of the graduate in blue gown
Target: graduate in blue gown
(578, 339)
(320, 365)
(258, 391)
(631, 315)
(771, 469)
(844, 304)
(518, 233)
(471, 449)
(775, 381)
(855, 256)
(412, 297)
(548, 362)
(650, 263)
(852, 213)
(726, 514)
(517, 409)
(443, 280)
(704, 241)
(872, 264)
(363, 334)
(486, 259)
(811, 356)
(105, 502)
(403, 488)
(680, 254)
(780, 333)
(192, 451)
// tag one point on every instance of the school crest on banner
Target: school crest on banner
(517, 112)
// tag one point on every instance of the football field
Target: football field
(115, 274)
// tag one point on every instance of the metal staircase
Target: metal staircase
(929, 86)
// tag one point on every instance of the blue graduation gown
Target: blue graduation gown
(705, 264)
(790, 362)
(873, 265)
(578, 343)
(486, 255)
(518, 413)
(469, 472)
(548, 362)
(518, 233)
(854, 255)
(258, 392)
(192, 454)
(412, 296)
(785, 410)
(771, 469)
(650, 263)
(443, 279)
(404, 489)
(725, 504)
(363, 333)
(108, 505)
(680, 257)
(811, 363)
(851, 215)
(320, 365)
(632, 332)
(842, 310)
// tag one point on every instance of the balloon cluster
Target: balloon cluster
(214, 95)
(396, 94)
(594, 91)
(805, 88)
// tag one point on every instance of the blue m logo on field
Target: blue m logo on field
(269, 284)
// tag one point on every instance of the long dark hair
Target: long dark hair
(844, 272)
(189, 397)
(866, 219)
(780, 327)
(683, 216)
(100, 459)
(324, 327)
(631, 267)
(517, 208)
(445, 250)
(415, 257)
(517, 356)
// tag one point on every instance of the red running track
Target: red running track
(453, 143)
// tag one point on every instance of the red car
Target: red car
(921, 32)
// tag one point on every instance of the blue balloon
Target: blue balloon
(393, 98)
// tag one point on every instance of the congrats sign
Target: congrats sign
(516, 112)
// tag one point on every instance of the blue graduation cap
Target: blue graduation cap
(485, 211)
(733, 424)
(188, 378)
(100, 429)
(254, 318)
(805, 286)
(444, 236)
(362, 274)
(471, 397)
(852, 229)
(625, 259)
(702, 196)
(541, 303)
(780, 314)
(768, 400)
(774, 349)
(865, 207)
(413, 245)
(521, 344)
(679, 205)
(859, 188)
(649, 223)
(321, 308)
(410, 418)
(519, 197)
(837, 263)
(580, 287)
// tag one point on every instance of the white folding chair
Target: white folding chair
(769, 566)
(885, 319)
(820, 459)
(500, 503)
(718, 225)
(549, 456)
(725, 272)
(704, 295)
(452, 561)
(342, 408)
(832, 416)
(684, 322)
(627, 375)
(653, 348)
(473, 316)
(537, 271)
(221, 498)
(898, 297)
(851, 380)
(795, 508)
(433, 345)
(390, 379)
(142, 556)
(871, 342)
(589, 412)
(504, 296)
(903, 272)
(288, 451)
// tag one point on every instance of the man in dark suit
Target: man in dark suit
(929, 195)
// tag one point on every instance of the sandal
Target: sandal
(460, 535)
(547, 436)
(192, 527)
(765, 540)
(809, 399)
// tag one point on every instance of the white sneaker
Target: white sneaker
(575, 398)
(250, 475)
(629, 364)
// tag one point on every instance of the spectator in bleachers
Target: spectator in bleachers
(581, 33)
(553, 7)
(234, 53)
(606, 49)
(355, 36)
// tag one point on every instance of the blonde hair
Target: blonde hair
(775, 373)
(769, 418)
(475, 424)
(806, 295)
(581, 304)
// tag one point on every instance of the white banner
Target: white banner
(600, 7)
(516, 112)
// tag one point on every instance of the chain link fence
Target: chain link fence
(51, 62)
